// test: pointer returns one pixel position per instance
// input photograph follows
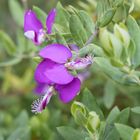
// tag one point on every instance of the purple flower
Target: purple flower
(66, 93)
(33, 28)
(52, 74)
(40, 104)
(52, 69)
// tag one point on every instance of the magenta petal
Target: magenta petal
(56, 52)
(39, 105)
(69, 91)
(40, 73)
(31, 22)
(41, 88)
(57, 73)
(50, 20)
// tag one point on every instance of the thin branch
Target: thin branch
(92, 37)
(25, 4)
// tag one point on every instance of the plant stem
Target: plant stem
(25, 5)
(95, 33)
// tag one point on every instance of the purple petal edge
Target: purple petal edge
(69, 91)
(31, 22)
(56, 52)
(50, 20)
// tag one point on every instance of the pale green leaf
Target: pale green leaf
(109, 94)
(90, 102)
(16, 11)
(7, 43)
(125, 131)
(136, 109)
(77, 30)
(134, 31)
(69, 133)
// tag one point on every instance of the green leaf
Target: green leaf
(116, 45)
(69, 133)
(21, 133)
(109, 94)
(136, 109)
(113, 115)
(22, 119)
(125, 131)
(131, 50)
(91, 49)
(40, 14)
(7, 43)
(88, 138)
(90, 102)
(108, 69)
(120, 14)
(11, 62)
(21, 42)
(60, 39)
(55, 118)
(62, 17)
(77, 30)
(107, 17)
(1, 137)
(110, 133)
(131, 79)
(101, 130)
(117, 2)
(134, 31)
(87, 22)
(123, 116)
(16, 11)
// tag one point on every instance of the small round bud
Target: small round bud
(122, 34)
(93, 121)
(37, 59)
(79, 113)
(104, 36)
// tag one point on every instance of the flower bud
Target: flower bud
(79, 113)
(93, 121)
(136, 135)
(37, 59)
(105, 41)
(116, 45)
(122, 35)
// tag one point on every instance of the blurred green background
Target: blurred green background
(17, 83)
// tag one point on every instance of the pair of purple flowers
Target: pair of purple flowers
(54, 73)
(33, 27)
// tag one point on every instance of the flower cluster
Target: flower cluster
(54, 73)
(33, 27)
